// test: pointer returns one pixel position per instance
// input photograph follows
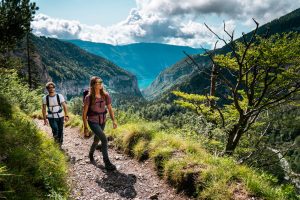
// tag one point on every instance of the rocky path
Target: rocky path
(131, 180)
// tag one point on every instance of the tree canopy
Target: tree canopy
(15, 18)
(258, 74)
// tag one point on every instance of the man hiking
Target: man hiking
(54, 103)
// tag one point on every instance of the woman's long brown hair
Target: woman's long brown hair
(103, 93)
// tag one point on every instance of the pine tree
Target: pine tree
(15, 18)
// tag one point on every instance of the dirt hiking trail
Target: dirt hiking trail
(132, 179)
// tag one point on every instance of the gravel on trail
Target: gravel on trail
(132, 179)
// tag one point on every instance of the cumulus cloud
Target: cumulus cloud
(135, 28)
(263, 10)
(69, 29)
(180, 7)
(168, 21)
(57, 28)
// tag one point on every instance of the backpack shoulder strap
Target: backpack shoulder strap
(58, 100)
(47, 101)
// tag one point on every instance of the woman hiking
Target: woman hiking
(94, 114)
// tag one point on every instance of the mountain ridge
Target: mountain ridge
(145, 60)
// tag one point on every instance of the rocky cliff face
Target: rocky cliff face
(124, 84)
(116, 84)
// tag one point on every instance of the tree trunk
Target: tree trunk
(233, 139)
(213, 79)
(28, 62)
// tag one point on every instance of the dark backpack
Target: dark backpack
(48, 105)
(85, 93)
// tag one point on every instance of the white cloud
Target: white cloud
(168, 21)
(57, 28)
(263, 10)
(135, 28)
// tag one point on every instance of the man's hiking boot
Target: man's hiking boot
(60, 146)
(91, 157)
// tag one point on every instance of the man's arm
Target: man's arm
(65, 110)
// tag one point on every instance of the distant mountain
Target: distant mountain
(71, 68)
(182, 75)
(145, 60)
(174, 75)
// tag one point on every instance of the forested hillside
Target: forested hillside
(71, 67)
(176, 75)
(168, 79)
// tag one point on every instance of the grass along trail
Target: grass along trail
(131, 180)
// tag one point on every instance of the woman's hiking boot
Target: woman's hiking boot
(91, 153)
(110, 167)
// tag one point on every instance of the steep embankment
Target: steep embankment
(31, 166)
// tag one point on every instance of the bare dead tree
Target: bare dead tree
(250, 74)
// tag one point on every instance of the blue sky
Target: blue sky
(90, 12)
(179, 22)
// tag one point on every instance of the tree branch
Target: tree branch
(250, 42)
(195, 63)
(296, 89)
(219, 111)
(242, 160)
(230, 35)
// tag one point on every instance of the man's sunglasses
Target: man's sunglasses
(50, 87)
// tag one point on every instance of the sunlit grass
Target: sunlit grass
(140, 150)
(182, 161)
(38, 166)
(74, 121)
(188, 167)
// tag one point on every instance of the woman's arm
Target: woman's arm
(111, 113)
(84, 117)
